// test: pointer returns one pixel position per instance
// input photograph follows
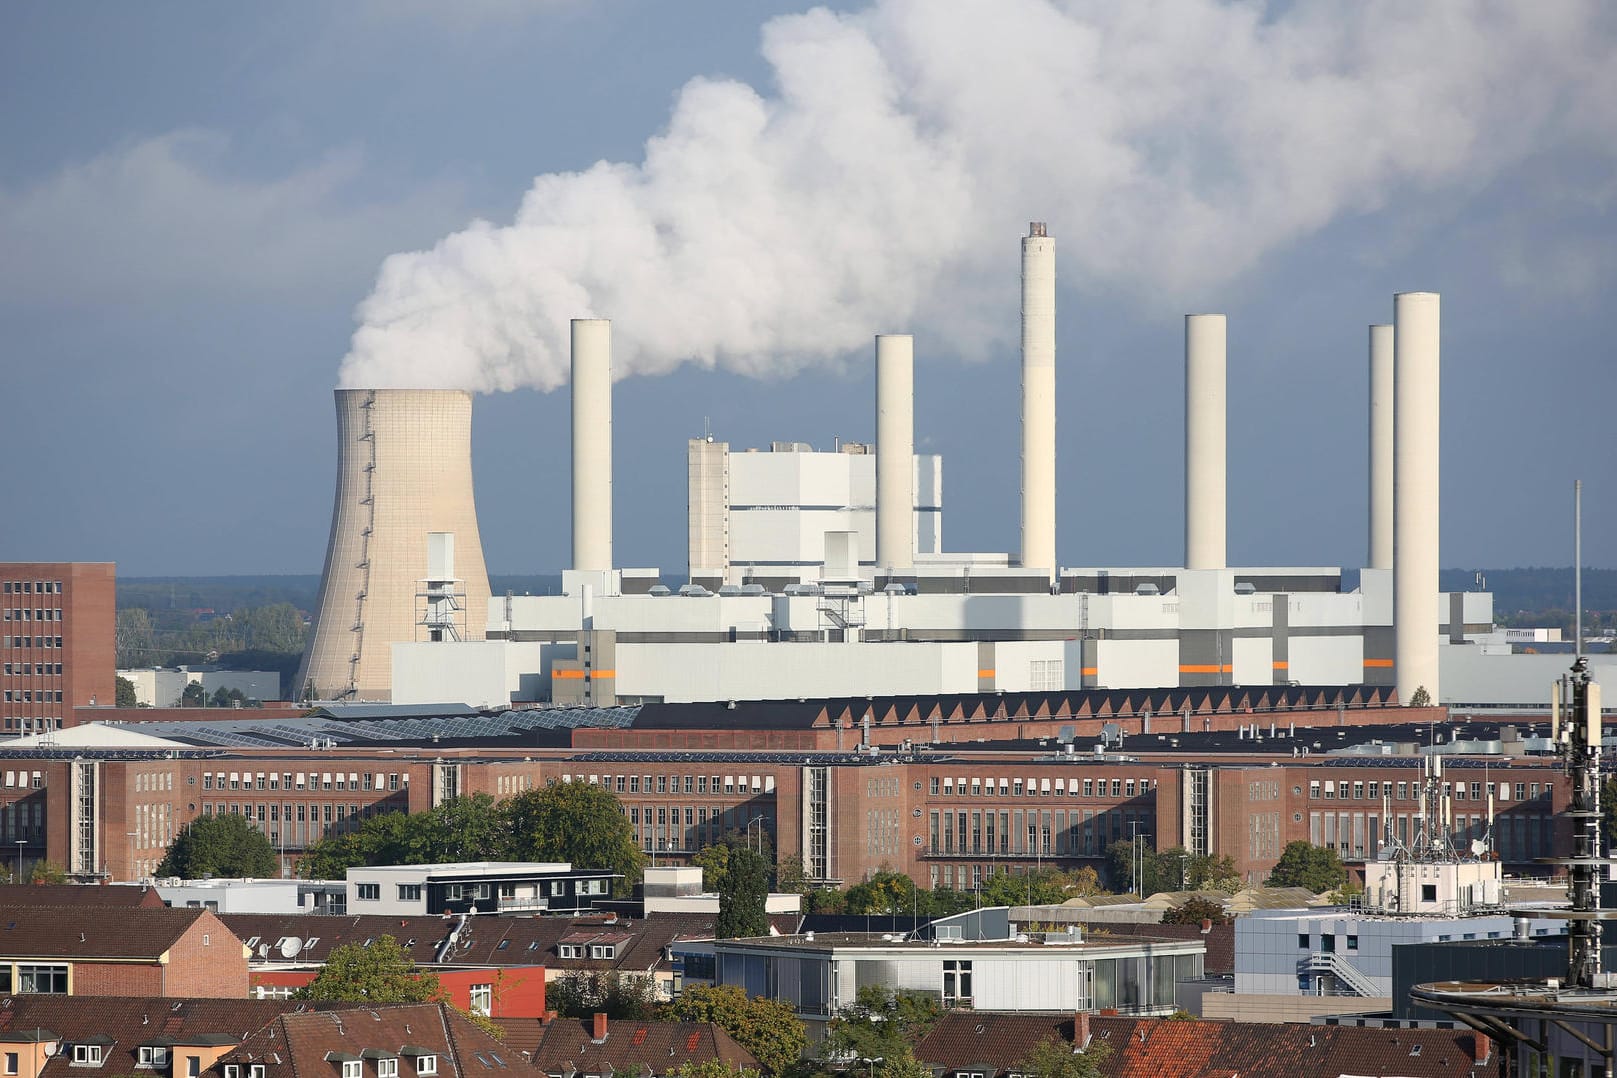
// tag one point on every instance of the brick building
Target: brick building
(57, 648)
(58, 950)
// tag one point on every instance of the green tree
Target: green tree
(1039, 888)
(714, 861)
(1056, 1058)
(135, 639)
(1214, 872)
(380, 973)
(460, 829)
(47, 871)
(223, 697)
(125, 693)
(767, 1028)
(194, 695)
(713, 1068)
(219, 846)
(577, 822)
(621, 997)
(880, 1024)
(744, 896)
(1302, 864)
(1195, 911)
(901, 1064)
(1420, 697)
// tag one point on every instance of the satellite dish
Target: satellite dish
(1478, 847)
(263, 950)
(290, 947)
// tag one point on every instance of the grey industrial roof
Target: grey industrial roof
(345, 728)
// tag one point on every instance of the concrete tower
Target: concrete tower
(1381, 442)
(895, 452)
(1204, 441)
(1415, 411)
(1038, 399)
(592, 444)
(404, 471)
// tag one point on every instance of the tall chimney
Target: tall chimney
(1204, 441)
(1415, 413)
(1038, 399)
(895, 451)
(592, 443)
(1381, 447)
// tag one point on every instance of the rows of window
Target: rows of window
(1002, 786)
(30, 779)
(690, 827)
(1031, 833)
(31, 641)
(33, 978)
(23, 820)
(32, 669)
(26, 725)
(1330, 790)
(297, 824)
(31, 613)
(31, 696)
(1514, 836)
(728, 785)
(298, 780)
(31, 587)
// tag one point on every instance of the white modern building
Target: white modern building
(255, 896)
(763, 515)
(476, 887)
(1064, 972)
(159, 687)
(678, 889)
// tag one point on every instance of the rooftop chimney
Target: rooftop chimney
(598, 1027)
(1080, 1030)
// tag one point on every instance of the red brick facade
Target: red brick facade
(57, 648)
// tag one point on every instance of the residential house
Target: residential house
(568, 1047)
(139, 951)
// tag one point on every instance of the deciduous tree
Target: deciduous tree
(744, 896)
(1302, 864)
(880, 1024)
(574, 821)
(124, 693)
(380, 973)
(1056, 1058)
(219, 846)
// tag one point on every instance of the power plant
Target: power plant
(842, 615)
(404, 477)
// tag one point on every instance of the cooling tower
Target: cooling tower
(404, 470)
(1204, 441)
(895, 452)
(1039, 399)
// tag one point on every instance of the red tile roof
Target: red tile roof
(1164, 1048)
(664, 1046)
(308, 1044)
(75, 894)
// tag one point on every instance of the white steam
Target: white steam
(882, 183)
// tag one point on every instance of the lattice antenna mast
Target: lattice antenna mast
(1575, 725)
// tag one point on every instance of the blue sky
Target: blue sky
(195, 201)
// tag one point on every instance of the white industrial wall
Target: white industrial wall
(1131, 664)
(1251, 660)
(1267, 948)
(1472, 676)
(253, 684)
(693, 672)
(1030, 665)
(481, 673)
(1326, 660)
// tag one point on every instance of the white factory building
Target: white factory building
(820, 574)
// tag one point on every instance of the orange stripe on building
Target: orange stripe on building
(1091, 671)
(567, 675)
(1379, 663)
(1212, 669)
(602, 675)
(985, 673)
(1280, 666)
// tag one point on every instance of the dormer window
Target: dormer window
(387, 1067)
(603, 950)
(426, 1065)
(151, 1055)
(232, 1070)
(569, 950)
(87, 1055)
(255, 1070)
(351, 1068)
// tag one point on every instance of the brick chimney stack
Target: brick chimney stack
(598, 1034)
(1080, 1030)
(1481, 1047)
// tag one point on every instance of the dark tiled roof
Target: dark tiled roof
(37, 931)
(300, 1043)
(1163, 1048)
(74, 894)
(123, 1025)
(665, 1046)
(485, 941)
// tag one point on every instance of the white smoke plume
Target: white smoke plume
(882, 181)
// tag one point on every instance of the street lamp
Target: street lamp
(130, 835)
(756, 819)
(871, 1063)
(20, 844)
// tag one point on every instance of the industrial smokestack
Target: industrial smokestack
(1416, 370)
(404, 471)
(1038, 399)
(895, 451)
(1381, 447)
(592, 444)
(1204, 441)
